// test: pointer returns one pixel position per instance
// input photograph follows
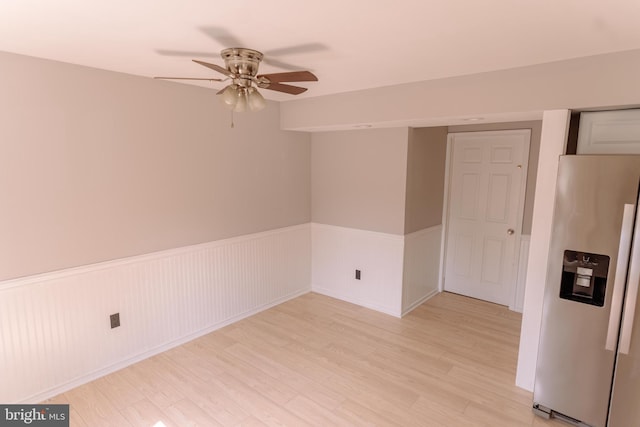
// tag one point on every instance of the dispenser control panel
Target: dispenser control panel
(584, 277)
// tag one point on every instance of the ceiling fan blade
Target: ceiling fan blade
(222, 36)
(215, 67)
(293, 90)
(297, 49)
(280, 64)
(291, 76)
(188, 78)
(189, 53)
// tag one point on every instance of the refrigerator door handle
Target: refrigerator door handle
(621, 276)
(632, 293)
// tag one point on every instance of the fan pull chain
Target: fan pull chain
(232, 124)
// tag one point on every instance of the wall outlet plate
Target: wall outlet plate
(115, 320)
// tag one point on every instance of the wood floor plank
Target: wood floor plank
(151, 380)
(358, 414)
(315, 361)
(277, 391)
(206, 393)
(143, 413)
(119, 391)
(314, 413)
(442, 415)
(304, 386)
(95, 408)
(74, 417)
(496, 418)
(251, 422)
(186, 413)
(258, 405)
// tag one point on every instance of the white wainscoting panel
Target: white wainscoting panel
(522, 273)
(338, 251)
(421, 266)
(54, 328)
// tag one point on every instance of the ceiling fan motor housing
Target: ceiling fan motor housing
(243, 63)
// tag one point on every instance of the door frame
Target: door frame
(515, 288)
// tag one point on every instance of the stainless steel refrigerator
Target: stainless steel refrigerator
(588, 369)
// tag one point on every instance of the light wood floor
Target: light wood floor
(323, 362)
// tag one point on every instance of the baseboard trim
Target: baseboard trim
(420, 302)
(366, 304)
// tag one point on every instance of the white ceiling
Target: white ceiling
(348, 44)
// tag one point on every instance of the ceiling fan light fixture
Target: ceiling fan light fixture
(242, 103)
(256, 100)
(241, 67)
(229, 96)
(240, 99)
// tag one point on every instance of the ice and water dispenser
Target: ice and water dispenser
(584, 277)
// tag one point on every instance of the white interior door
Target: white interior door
(487, 179)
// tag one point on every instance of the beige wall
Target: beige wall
(358, 179)
(96, 165)
(589, 82)
(534, 150)
(426, 160)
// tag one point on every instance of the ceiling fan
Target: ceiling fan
(241, 67)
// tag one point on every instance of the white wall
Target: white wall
(338, 251)
(521, 282)
(555, 127)
(54, 328)
(422, 251)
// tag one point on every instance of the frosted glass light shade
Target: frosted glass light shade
(256, 100)
(229, 96)
(241, 101)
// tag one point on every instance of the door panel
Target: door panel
(492, 260)
(502, 154)
(462, 251)
(472, 155)
(497, 203)
(467, 198)
(486, 199)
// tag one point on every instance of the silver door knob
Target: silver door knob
(510, 231)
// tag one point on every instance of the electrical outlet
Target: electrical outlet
(357, 274)
(115, 320)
